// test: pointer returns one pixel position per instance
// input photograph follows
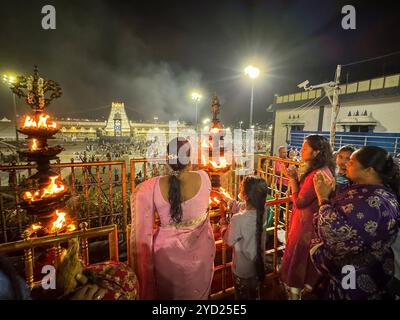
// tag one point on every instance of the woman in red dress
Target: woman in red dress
(297, 270)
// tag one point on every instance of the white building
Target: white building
(368, 115)
(117, 125)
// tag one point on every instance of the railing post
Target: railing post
(128, 244)
(28, 261)
(124, 204)
(132, 164)
(113, 244)
(84, 244)
(275, 255)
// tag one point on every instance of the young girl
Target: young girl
(245, 233)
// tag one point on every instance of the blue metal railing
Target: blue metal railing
(388, 141)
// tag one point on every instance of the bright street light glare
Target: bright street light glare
(252, 72)
(9, 79)
(196, 96)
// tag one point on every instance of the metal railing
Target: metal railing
(97, 196)
(28, 246)
(278, 204)
(388, 141)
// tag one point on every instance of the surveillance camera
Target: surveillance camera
(303, 85)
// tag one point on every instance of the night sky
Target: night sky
(151, 54)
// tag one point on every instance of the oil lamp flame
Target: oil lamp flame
(33, 228)
(225, 193)
(34, 145)
(36, 227)
(42, 123)
(53, 188)
(59, 223)
(222, 163)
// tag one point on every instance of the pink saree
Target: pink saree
(172, 261)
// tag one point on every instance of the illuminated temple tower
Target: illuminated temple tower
(118, 123)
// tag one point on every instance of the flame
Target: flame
(222, 163)
(29, 122)
(59, 223)
(34, 145)
(34, 228)
(225, 193)
(213, 200)
(42, 123)
(53, 188)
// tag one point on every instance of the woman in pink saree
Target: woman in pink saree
(172, 242)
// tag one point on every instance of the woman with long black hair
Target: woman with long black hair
(172, 241)
(297, 270)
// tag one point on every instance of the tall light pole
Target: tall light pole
(9, 81)
(252, 72)
(329, 87)
(196, 98)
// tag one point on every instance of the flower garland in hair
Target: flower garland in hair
(172, 159)
(174, 173)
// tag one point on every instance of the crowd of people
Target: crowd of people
(341, 239)
(345, 217)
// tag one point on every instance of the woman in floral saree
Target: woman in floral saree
(358, 226)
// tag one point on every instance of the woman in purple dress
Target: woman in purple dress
(297, 270)
(358, 226)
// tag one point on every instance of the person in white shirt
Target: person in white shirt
(246, 234)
